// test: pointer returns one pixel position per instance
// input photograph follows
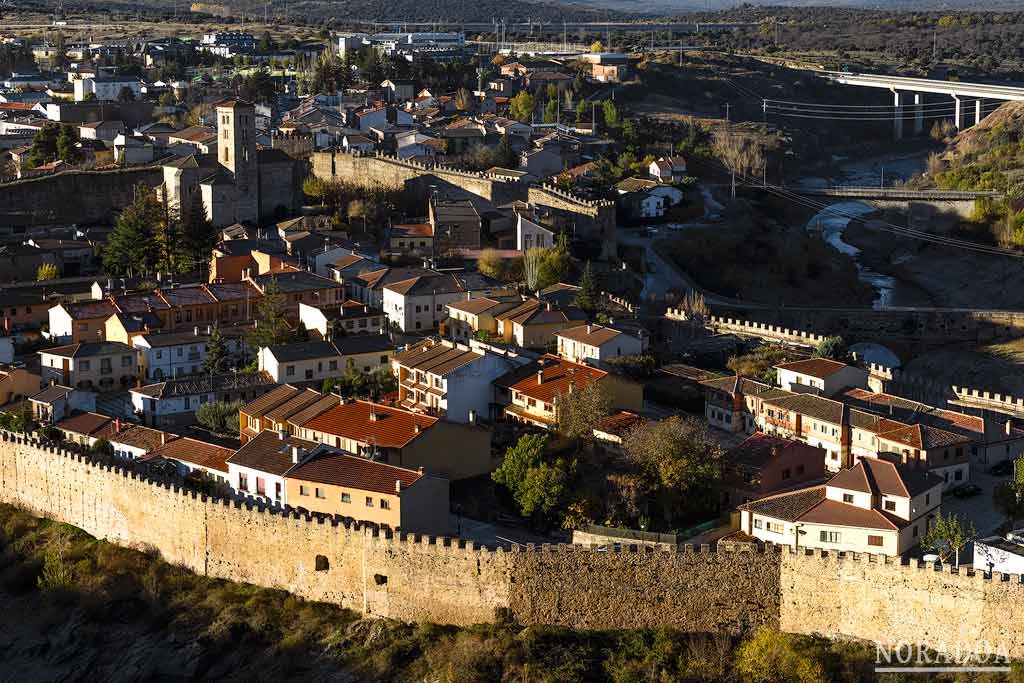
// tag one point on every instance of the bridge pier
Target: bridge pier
(957, 113)
(977, 111)
(918, 113)
(897, 131)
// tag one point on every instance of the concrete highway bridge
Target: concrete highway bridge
(903, 88)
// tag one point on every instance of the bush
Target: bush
(219, 418)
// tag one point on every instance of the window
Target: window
(875, 540)
(785, 474)
(384, 505)
(776, 527)
(848, 498)
(243, 481)
(261, 486)
(959, 475)
(915, 531)
(303, 491)
(83, 365)
(799, 470)
(322, 564)
(319, 492)
(831, 537)
(290, 370)
(369, 502)
(346, 498)
(758, 524)
(332, 365)
(927, 499)
(159, 353)
(383, 360)
(890, 506)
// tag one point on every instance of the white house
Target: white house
(56, 402)
(348, 317)
(130, 150)
(420, 302)
(441, 377)
(875, 506)
(107, 88)
(595, 344)
(318, 360)
(163, 356)
(530, 235)
(257, 468)
(820, 376)
(173, 402)
(668, 169)
(1004, 554)
(132, 441)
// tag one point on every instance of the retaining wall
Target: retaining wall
(73, 196)
(448, 581)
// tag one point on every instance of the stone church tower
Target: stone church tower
(236, 152)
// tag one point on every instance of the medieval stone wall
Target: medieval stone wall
(448, 581)
(73, 196)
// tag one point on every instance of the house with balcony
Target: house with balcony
(400, 498)
(440, 377)
(876, 507)
(812, 419)
(475, 316)
(532, 392)
(728, 403)
(403, 438)
(99, 366)
(56, 402)
(253, 415)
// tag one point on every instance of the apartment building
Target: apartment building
(596, 344)
(820, 376)
(99, 366)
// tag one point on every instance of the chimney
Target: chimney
(1009, 427)
(540, 377)
(117, 425)
(209, 329)
(469, 296)
(373, 415)
(472, 417)
(416, 428)
(297, 453)
(163, 438)
(195, 331)
(398, 485)
(590, 328)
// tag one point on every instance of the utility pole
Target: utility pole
(935, 44)
(764, 111)
(727, 118)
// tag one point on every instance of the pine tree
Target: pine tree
(66, 150)
(198, 235)
(586, 297)
(271, 324)
(132, 248)
(44, 145)
(216, 352)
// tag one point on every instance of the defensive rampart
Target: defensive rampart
(73, 196)
(449, 581)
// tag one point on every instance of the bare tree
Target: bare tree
(741, 153)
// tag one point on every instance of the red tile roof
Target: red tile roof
(813, 367)
(352, 471)
(194, 452)
(555, 377)
(391, 428)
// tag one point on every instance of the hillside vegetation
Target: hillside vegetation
(989, 156)
(78, 609)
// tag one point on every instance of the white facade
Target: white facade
(417, 312)
(257, 484)
(584, 352)
(529, 235)
(1003, 554)
(798, 382)
(106, 89)
(318, 367)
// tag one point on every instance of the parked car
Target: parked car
(966, 490)
(1002, 469)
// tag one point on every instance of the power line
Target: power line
(905, 114)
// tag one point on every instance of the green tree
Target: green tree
(833, 348)
(579, 410)
(491, 264)
(597, 46)
(681, 463)
(216, 352)
(586, 296)
(219, 417)
(272, 326)
(521, 107)
(538, 487)
(582, 111)
(527, 453)
(551, 111)
(198, 236)
(44, 145)
(133, 248)
(67, 139)
(1008, 497)
(47, 271)
(770, 656)
(947, 535)
(610, 114)
(760, 363)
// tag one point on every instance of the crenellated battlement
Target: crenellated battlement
(414, 577)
